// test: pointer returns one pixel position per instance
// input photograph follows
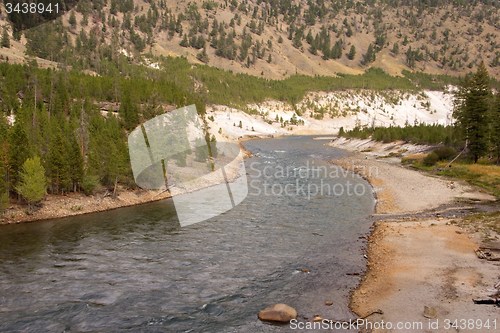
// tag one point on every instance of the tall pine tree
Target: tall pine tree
(33, 183)
(495, 127)
(471, 106)
(17, 152)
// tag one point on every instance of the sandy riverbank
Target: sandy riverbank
(413, 264)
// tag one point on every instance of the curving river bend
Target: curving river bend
(136, 270)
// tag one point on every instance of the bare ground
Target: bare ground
(429, 263)
(414, 264)
(402, 190)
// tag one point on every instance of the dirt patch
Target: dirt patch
(417, 264)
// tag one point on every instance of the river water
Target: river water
(135, 269)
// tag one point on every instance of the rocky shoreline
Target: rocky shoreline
(417, 251)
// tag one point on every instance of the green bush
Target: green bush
(90, 184)
(431, 159)
(445, 153)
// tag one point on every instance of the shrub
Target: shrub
(90, 183)
(445, 153)
(431, 159)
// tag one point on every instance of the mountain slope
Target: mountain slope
(437, 37)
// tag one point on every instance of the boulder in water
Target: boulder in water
(278, 312)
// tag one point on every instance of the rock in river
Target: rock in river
(278, 312)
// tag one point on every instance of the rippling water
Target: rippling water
(134, 269)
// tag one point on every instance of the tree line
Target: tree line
(56, 117)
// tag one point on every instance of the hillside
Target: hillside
(275, 39)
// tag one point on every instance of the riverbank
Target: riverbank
(71, 204)
(419, 259)
(431, 263)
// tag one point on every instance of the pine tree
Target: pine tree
(128, 111)
(309, 37)
(58, 162)
(297, 39)
(5, 37)
(313, 49)
(203, 56)
(471, 106)
(4, 189)
(336, 50)
(495, 127)
(369, 56)
(72, 19)
(17, 152)
(76, 164)
(395, 48)
(33, 183)
(113, 8)
(352, 53)
(184, 42)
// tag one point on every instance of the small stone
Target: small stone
(305, 270)
(430, 312)
(278, 312)
(328, 303)
(317, 319)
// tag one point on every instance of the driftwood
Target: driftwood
(482, 255)
(453, 160)
(487, 301)
(494, 248)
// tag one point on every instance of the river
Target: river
(135, 269)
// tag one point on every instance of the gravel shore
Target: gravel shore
(416, 262)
